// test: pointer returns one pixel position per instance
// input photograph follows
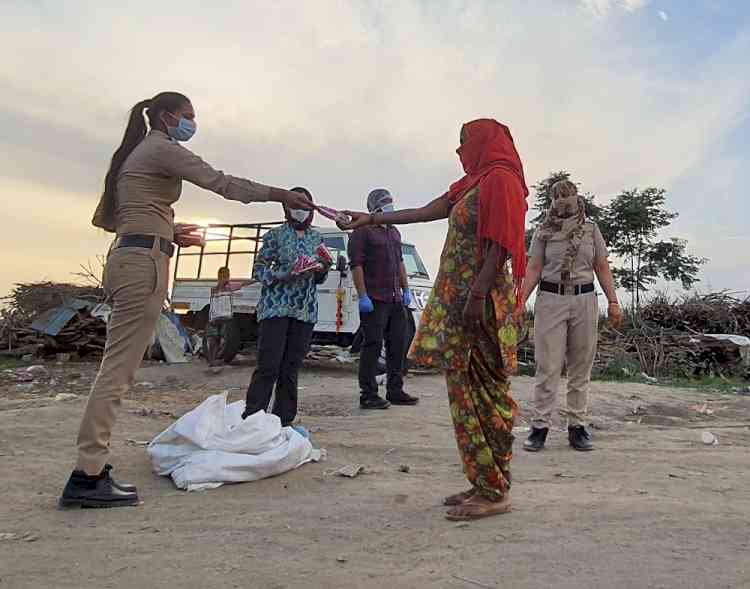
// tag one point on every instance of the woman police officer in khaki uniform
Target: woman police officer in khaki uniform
(566, 252)
(143, 182)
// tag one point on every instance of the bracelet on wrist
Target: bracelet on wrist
(615, 303)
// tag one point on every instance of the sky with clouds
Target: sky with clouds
(345, 96)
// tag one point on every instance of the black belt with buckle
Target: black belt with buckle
(145, 241)
(560, 289)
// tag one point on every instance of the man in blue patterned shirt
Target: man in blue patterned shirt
(286, 313)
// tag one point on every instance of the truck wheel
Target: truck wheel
(232, 341)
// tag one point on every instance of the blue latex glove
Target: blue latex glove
(406, 297)
(365, 304)
(301, 431)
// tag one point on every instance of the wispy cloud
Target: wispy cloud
(604, 7)
(344, 96)
(663, 15)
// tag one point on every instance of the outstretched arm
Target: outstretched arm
(439, 208)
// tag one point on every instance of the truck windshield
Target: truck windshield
(413, 263)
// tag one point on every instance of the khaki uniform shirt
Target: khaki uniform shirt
(551, 253)
(150, 182)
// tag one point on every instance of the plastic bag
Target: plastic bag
(212, 445)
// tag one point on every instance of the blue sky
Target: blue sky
(346, 96)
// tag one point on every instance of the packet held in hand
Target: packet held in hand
(323, 254)
(306, 264)
(334, 215)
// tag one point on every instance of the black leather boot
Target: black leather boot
(99, 490)
(579, 438)
(536, 439)
(127, 487)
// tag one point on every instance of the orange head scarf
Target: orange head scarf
(491, 162)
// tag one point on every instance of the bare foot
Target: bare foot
(477, 507)
(458, 498)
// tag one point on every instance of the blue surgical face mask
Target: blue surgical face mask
(184, 130)
(387, 209)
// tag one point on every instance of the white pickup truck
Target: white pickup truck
(235, 246)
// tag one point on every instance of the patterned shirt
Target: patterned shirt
(296, 298)
(378, 250)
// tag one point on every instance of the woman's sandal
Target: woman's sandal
(459, 498)
(477, 508)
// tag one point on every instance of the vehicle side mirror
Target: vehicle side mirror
(341, 263)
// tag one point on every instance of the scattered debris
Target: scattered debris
(562, 475)
(709, 439)
(341, 558)
(351, 470)
(131, 442)
(702, 409)
(473, 582)
(404, 468)
(65, 397)
(37, 371)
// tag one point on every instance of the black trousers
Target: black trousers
(283, 343)
(390, 319)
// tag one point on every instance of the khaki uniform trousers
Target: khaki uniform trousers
(135, 281)
(565, 332)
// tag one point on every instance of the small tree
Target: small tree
(631, 223)
(543, 201)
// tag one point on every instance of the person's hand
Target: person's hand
(406, 297)
(184, 235)
(365, 304)
(296, 200)
(615, 318)
(357, 220)
(281, 276)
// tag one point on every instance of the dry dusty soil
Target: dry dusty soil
(650, 507)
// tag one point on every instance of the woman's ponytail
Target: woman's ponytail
(104, 216)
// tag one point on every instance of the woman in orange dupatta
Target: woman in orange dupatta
(471, 323)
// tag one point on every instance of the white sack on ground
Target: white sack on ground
(212, 445)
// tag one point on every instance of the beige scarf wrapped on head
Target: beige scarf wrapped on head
(565, 220)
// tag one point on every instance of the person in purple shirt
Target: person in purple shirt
(381, 282)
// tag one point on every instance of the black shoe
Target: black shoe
(100, 490)
(536, 439)
(579, 438)
(126, 487)
(402, 399)
(373, 403)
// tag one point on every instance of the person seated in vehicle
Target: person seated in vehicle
(382, 285)
(290, 267)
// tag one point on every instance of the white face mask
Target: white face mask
(299, 215)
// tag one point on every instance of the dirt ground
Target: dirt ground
(651, 507)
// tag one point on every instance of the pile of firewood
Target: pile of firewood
(81, 333)
(667, 338)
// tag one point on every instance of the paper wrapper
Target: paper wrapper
(323, 254)
(306, 264)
